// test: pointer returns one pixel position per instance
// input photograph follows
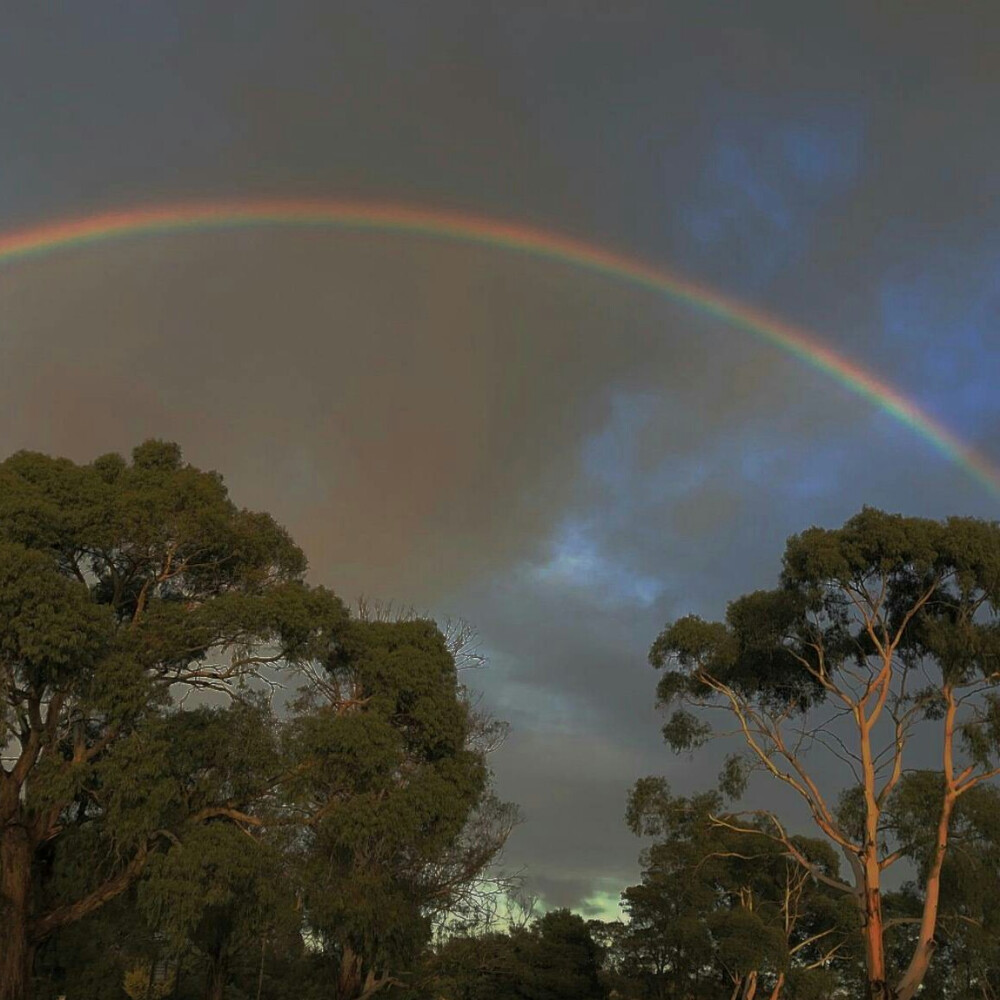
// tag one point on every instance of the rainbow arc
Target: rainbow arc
(41, 240)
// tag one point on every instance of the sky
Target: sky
(565, 461)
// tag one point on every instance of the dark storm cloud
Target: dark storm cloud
(566, 462)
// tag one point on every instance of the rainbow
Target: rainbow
(360, 216)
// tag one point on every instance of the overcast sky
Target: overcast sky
(567, 462)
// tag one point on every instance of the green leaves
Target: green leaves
(49, 628)
(684, 731)
(155, 524)
(923, 590)
(721, 900)
(878, 631)
(734, 776)
(692, 642)
(215, 873)
(555, 958)
(128, 587)
(390, 733)
(125, 586)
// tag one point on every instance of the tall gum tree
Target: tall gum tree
(882, 635)
(124, 587)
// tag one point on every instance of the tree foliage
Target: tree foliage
(880, 631)
(132, 594)
(555, 958)
(722, 910)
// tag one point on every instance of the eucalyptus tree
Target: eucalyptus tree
(882, 637)
(124, 588)
(555, 957)
(967, 939)
(393, 794)
(223, 891)
(721, 909)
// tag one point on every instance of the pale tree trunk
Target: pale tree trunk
(873, 926)
(353, 983)
(874, 930)
(16, 951)
(924, 950)
(778, 987)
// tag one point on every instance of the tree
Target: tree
(967, 955)
(880, 631)
(714, 902)
(223, 889)
(123, 588)
(556, 958)
(362, 814)
(399, 819)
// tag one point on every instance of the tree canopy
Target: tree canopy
(132, 595)
(879, 631)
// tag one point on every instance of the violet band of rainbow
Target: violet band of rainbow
(40, 240)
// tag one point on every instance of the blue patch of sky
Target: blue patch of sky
(765, 181)
(799, 471)
(643, 514)
(759, 454)
(941, 324)
(603, 548)
(823, 155)
(611, 458)
(577, 559)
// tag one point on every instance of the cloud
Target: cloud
(572, 791)
(940, 312)
(566, 462)
(576, 561)
(768, 177)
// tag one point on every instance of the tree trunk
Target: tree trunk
(915, 972)
(874, 931)
(260, 974)
(778, 987)
(218, 975)
(869, 869)
(924, 950)
(349, 979)
(16, 951)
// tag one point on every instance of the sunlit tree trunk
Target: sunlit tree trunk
(878, 987)
(924, 950)
(873, 926)
(778, 987)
